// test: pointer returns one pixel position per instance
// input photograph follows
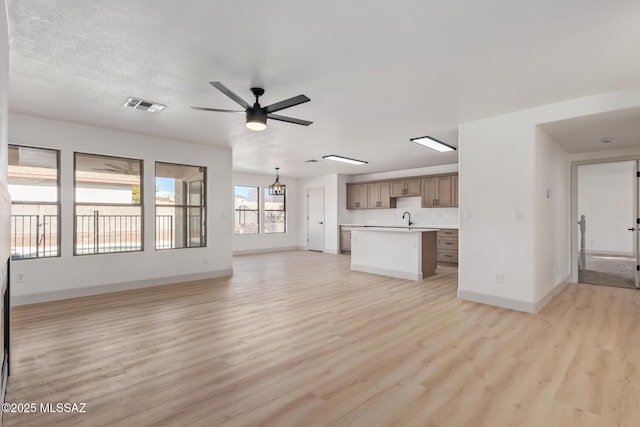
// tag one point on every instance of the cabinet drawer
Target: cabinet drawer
(448, 233)
(447, 256)
(448, 243)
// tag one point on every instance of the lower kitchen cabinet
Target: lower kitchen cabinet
(345, 240)
(447, 246)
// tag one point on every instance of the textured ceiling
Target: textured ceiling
(377, 72)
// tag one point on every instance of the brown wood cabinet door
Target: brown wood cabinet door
(374, 195)
(443, 199)
(429, 192)
(385, 195)
(363, 197)
(412, 187)
(352, 196)
(397, 189)
(345, 240)
(454, 190)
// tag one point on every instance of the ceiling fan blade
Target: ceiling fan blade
(289, 119)
(300, 99)
(217, 109)
(222, 88)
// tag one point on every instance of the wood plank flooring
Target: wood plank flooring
(296, 339)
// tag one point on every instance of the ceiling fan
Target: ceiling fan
(257, 115)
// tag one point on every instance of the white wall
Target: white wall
(436, 217)
(4, 96)
(499, 168)
(253, 243)
(552, 229)
(32, 191)
(71, 276)
(104, 193)
(605, 196)
(606, 154)
(5, 202)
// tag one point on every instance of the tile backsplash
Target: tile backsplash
(443, 217)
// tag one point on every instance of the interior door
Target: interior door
(607, 222)
(315, 219)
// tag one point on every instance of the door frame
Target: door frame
(324, 220)
(574, 210)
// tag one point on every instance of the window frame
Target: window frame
(258, 210)
(76, 203)
(186, 207)
(57, 204)
(265, 210)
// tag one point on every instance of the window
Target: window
(246, 210)
(108, 204)
(180, 206)
(34, 188)
(274, 213)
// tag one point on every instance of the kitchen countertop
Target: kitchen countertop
(395, 229)
(444, 227)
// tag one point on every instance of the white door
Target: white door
(315, 219)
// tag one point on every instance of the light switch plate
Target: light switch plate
(518, 215)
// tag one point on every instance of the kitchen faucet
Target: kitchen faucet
(407, 213)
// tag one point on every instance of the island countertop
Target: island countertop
(395, 229)
(406, 252)
(429, 226)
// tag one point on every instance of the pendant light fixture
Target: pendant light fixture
(277, 188)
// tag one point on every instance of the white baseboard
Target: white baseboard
(114, 287)
(605, 253)
(552, 293)
(386, 272)
(267, 250)
(511, 303)
(331, 251)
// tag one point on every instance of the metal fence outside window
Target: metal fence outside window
(108, 233)
(34, 236)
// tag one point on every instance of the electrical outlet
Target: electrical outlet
(499, 278)
(518, 215)
(557, 268)
(205, 260)
(20, 278)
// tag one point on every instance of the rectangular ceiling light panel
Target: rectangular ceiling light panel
(433, 143)
(344, 159)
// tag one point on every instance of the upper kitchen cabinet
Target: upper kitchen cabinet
(454, 191)
(379, 195)
(357, 197)
(405, 187)
(440, 191)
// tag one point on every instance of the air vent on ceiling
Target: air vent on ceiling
(139, 104)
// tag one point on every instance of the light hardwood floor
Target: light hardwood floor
(296, 339)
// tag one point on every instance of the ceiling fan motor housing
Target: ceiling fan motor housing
(256, 115)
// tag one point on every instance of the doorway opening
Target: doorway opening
(607, 207)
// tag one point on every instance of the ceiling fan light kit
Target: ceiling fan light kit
(256, 116)
(256, 119)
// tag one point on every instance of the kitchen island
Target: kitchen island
(403, 252)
